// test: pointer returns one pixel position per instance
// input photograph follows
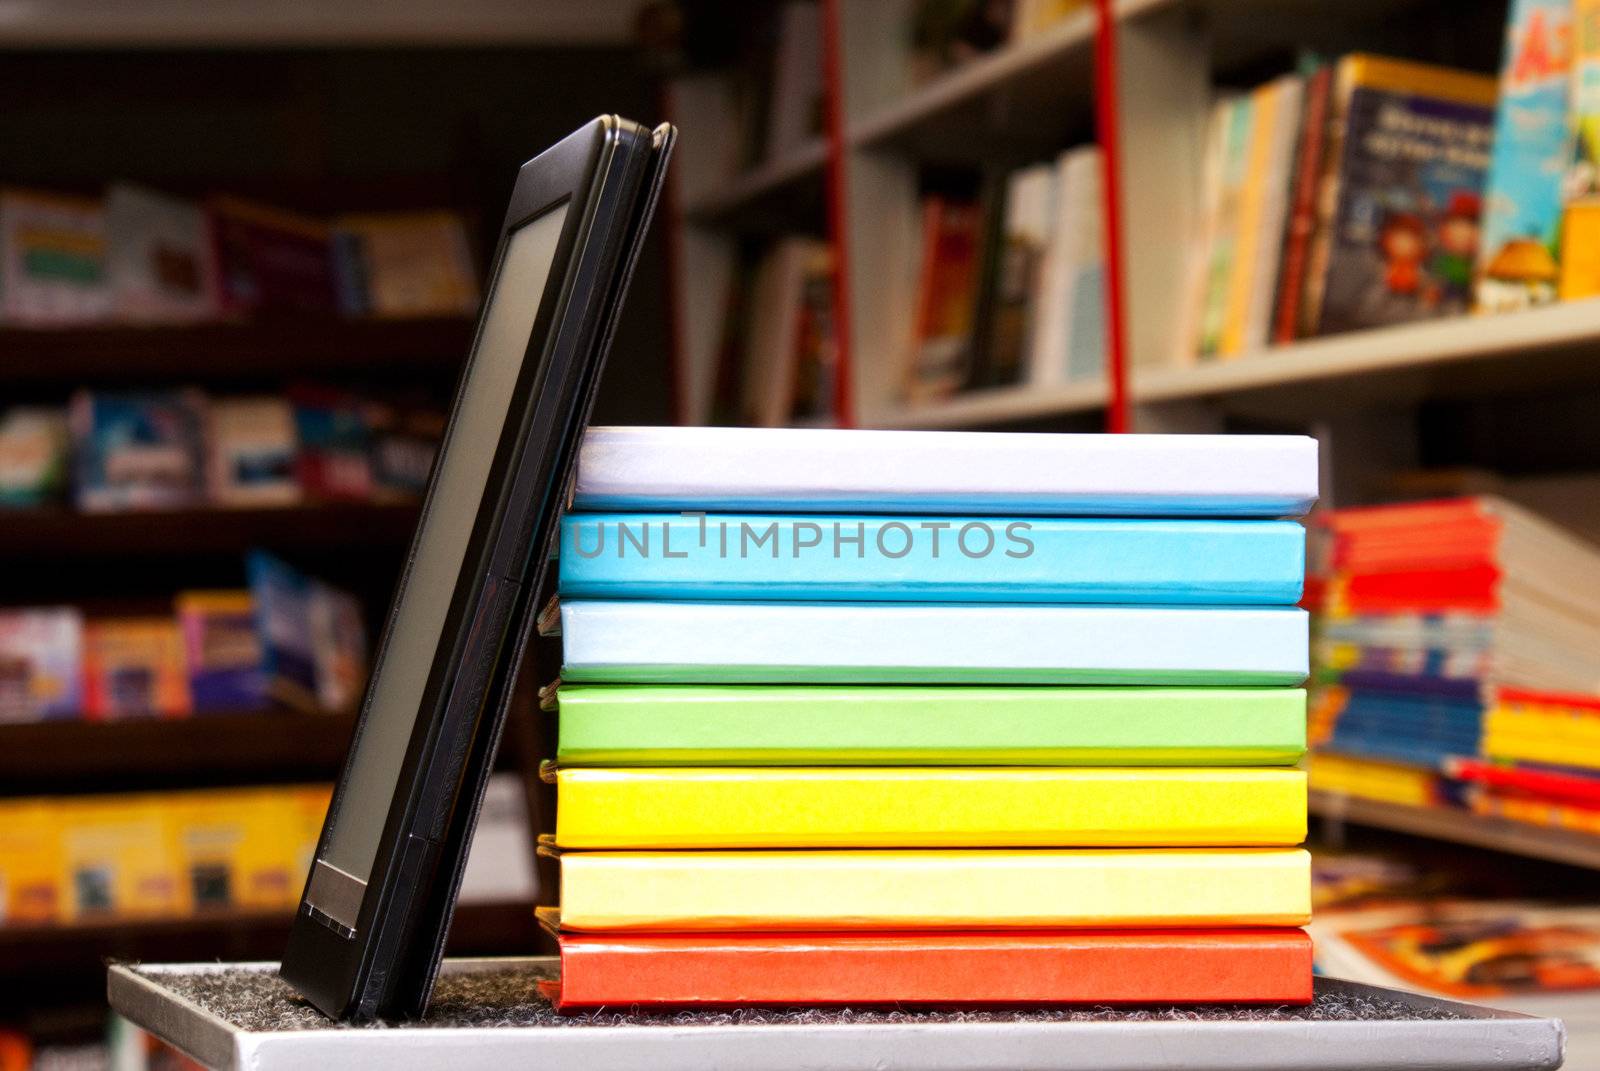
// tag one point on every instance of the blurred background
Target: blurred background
(241, 250)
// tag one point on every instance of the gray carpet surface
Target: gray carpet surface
(259, 1000)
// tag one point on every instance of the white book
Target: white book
(160, 257)
(817, 470)
(709, 643)
(1075, 236)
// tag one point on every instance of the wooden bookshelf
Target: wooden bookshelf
(61, 532)
(27, 951)
(1461, 827)
(106, 356)
(226, 747)
(1459, 356)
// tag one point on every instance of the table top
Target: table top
(489, 1014)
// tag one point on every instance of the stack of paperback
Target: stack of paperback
(867, 717)
(1458, 638)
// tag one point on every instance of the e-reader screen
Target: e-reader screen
(417, 624)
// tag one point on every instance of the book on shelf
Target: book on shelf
(931, 890)
(1345, 198)
(912, 643)
(928, 807)
(1520, 248)
(404, 264)
(161, 257)
(1404, 170)
(312, 636)
(835, 726)
(137, 450)
(733, 556)
(404, 440)
(1015, 297)
(271, 260)
(1256, 154)
(52, 259)
(1580, 214)
(977, 967)
(1021, 474)
(41, 652)
(946, 301)
(788, 335)
(251, 448)
(333, 457)
(134, 667)
(222, 649)
(34, 456)
(1068, 343)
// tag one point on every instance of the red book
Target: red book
(1031, 967)
(1541, 784)
(1303, 205)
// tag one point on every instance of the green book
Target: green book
(732, 725)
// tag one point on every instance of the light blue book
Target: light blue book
(931, 559)
(929, 643)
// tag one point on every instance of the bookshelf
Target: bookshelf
(224, 352)
(1470, 355)
(1461, 827)
(326, 526)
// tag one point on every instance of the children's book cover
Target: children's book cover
(40, 652)
(1519, 253)
(161, 258)
(1580, 225)
(52, 259)
(222, 650)
(133, 667)
(283, 597)
(251, 452)
(1403, 235)
(137, 451)
(33, 455)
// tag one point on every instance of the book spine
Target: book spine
(1274, 213)
(1303, 208)
(1321, 239)
(696, 970)
(1265, 103)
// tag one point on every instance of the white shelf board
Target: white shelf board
(998, 72)
(999, 405)
(1436, 351)
(1461, 827)
(765, 180)
(1569, 325)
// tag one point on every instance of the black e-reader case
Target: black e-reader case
(363, 949)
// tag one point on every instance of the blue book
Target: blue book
(929, 643)
(911, 558)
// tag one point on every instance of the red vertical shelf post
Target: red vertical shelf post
(1106, 119)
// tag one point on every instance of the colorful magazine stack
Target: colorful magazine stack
(1456, 660)
(898, 717)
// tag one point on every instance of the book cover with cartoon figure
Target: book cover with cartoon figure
(1403, 231)
(1520, 251)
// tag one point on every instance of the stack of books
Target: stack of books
(1455, 660)
(866, 717)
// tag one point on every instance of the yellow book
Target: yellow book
(1265, 102)
(1386, 781)
(118, 858)
(929, 807)
(868, 890)
(31, 888)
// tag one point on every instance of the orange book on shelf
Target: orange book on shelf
(1028, 967)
